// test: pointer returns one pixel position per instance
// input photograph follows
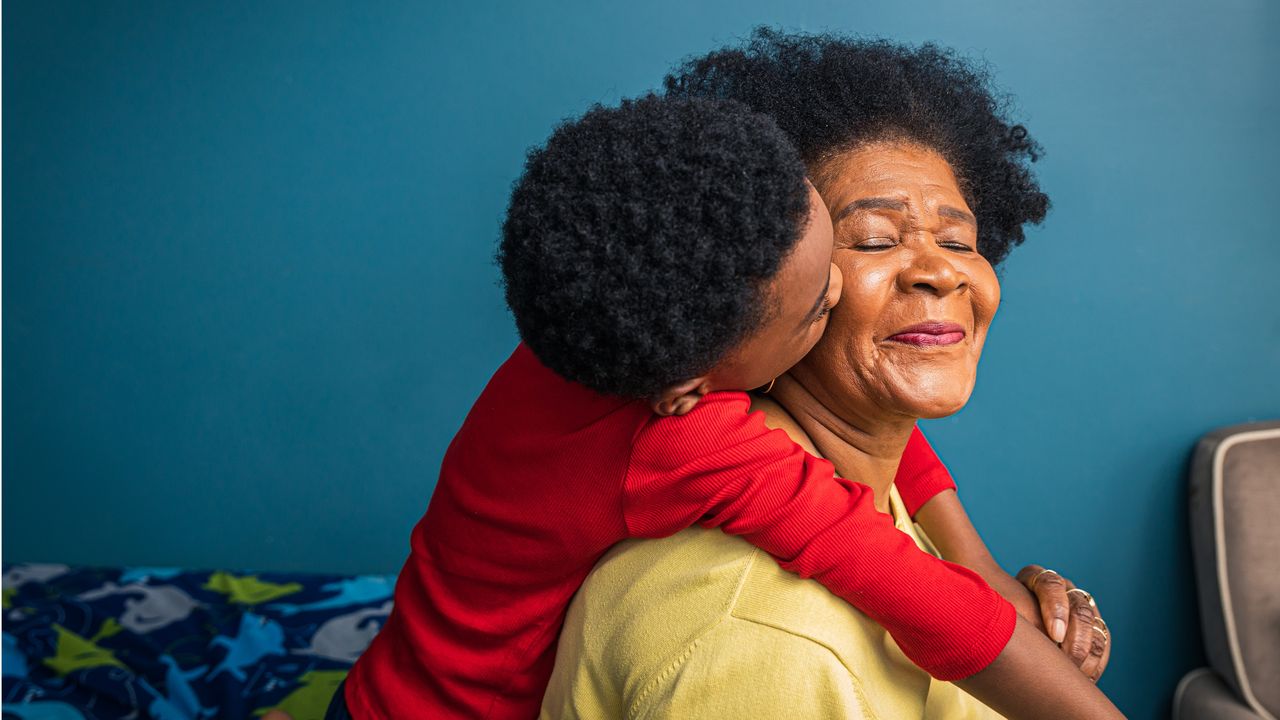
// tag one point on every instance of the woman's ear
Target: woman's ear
(680, 398)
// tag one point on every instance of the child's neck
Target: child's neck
(863, 448)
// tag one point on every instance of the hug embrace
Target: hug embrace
(696, 488)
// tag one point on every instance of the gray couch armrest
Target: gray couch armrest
(1202, 695)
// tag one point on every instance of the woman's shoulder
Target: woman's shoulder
(645, 603)
(777, 418)
(683, 584)
(651, 606)
(701, 609)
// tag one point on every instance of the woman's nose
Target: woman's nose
(933, 272)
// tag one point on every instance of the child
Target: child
(660, 258)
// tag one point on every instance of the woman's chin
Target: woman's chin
(935, 411)
(946, 400)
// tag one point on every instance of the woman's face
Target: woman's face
(918, 298)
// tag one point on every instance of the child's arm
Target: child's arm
(930, 495)
(723, 468)
(1070, 619)
(1033, 679)
(948, 526)
(720, 467)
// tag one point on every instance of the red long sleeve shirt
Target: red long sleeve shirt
(545, 475)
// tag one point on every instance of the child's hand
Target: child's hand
(1071, 617)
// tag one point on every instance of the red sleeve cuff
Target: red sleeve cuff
(987, 646)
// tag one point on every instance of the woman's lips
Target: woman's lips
(928, 334)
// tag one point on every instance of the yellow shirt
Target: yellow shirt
(705, 625)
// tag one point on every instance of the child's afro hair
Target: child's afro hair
(639, 241)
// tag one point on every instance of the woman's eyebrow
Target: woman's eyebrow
(956, 213)
(872, 203)
(884, 203)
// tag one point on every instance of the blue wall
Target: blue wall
(248, 293)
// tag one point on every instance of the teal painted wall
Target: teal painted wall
(248, 295)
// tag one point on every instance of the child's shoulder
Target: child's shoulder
(719, 418)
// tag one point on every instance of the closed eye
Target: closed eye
(875, 244)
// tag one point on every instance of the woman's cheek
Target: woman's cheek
(866, 282)
(986, 294)
(836, 350)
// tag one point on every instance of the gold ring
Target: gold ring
(1086, 595)
(1036, 578)
(1106, 635)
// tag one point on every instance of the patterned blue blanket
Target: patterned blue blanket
(172, 644)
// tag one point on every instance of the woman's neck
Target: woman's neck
(864, 447)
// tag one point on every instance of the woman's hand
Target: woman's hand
(1072, 619)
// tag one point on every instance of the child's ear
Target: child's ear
(680, 398)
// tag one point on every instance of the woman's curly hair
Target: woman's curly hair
(639, 241)
(831, 94)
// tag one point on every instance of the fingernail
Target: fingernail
(1059, 630)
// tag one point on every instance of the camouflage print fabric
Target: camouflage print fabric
(171, 644)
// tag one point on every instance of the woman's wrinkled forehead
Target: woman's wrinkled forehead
(891, 175)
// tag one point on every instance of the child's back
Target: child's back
(528, 497)
(531, 493)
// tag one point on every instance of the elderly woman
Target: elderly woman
(928, 188)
